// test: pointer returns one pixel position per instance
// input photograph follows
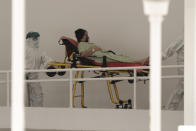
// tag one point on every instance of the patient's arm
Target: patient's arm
(89, 52)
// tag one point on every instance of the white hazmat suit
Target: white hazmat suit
(177, 95)
(35, 59)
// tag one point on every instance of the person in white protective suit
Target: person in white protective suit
(35, 59)
(176, 98)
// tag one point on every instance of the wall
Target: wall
(5, 37)
(5, 44)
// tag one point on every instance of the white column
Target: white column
(190, 63)
(187, 128)
(18, 37)
(155, 10)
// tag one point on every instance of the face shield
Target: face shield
(33, 39)
(33, 42)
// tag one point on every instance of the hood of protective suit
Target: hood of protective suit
(34, 57)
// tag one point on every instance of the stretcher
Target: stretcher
(74, 60)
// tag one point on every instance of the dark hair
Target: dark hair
(79, 34)
(32, 34)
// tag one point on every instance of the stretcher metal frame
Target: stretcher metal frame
(73, 60)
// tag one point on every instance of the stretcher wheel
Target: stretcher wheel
(84, 106)
(62, 72)
(117, 106)
(51, 74)
(130, 104)
(125, 106)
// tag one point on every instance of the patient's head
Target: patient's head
(82, 35)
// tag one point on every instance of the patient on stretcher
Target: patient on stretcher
(87, 49)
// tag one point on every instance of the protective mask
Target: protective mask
(35, 43)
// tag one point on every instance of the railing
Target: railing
(7, 82)
(70, 79)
